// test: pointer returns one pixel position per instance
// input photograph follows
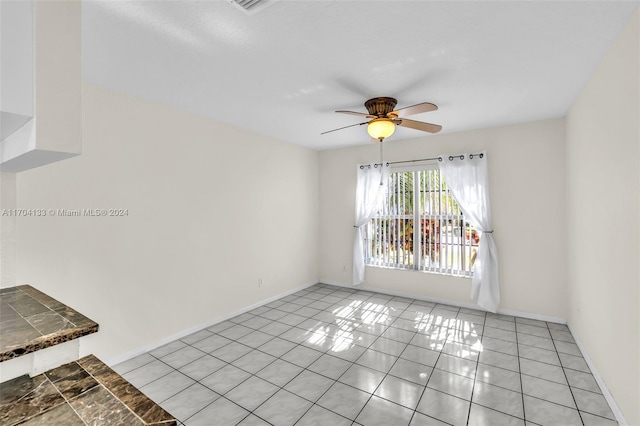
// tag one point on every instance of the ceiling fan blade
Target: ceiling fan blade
(414, 109)
(345, 127)
(360, 114)
(419, 125)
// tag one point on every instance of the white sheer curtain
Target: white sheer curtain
(468, 180)
(370, 191)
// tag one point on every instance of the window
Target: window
(420, 226)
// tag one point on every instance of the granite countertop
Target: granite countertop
(30, 320)
(83, 392)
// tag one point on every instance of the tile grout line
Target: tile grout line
(336, 380)
(65, 398)
(473, 388)
(199, 381)
(277, 358)
(222, 395)
(564, 373)
(524, 408)
(352, 364)
(550, 381)
(387, 373)
(497, 386)
(426, 384)
(40, 413)
(100, 384)
(253, 374)
(378, 336)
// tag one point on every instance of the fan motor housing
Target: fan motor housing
(380, 107)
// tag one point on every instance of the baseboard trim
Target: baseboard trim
(605, 390)
(529, 315)
(151, 346)
(400, 294)
(511, 312)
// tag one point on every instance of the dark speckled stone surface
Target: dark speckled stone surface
(136, 401)
(31, 320)
(44, 396)
(83, 392)
(61, 415)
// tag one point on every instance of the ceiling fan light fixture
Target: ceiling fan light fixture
(382, 119)
(381, 128)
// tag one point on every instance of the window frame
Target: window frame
(449, 268)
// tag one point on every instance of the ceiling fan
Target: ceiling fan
(384, 119)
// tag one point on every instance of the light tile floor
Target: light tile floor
(335, 356)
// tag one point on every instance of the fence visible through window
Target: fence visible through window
(420, 226)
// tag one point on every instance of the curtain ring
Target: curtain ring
(470, 156)
(451, 158)
(440, 159)
(462, 157)
(481, 155)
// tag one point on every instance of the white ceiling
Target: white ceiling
(283, 70)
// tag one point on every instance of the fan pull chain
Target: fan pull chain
(381, 165)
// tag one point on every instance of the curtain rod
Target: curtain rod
(451, 157)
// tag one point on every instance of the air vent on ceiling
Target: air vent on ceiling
(252, 6)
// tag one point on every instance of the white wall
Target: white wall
(526, 173)
(16, 67)
(7, 230)
(16, 57)
(211, 208)
(49, 35)
(603, 181)
(58, 75)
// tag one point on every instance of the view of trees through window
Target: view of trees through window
(420, 226)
